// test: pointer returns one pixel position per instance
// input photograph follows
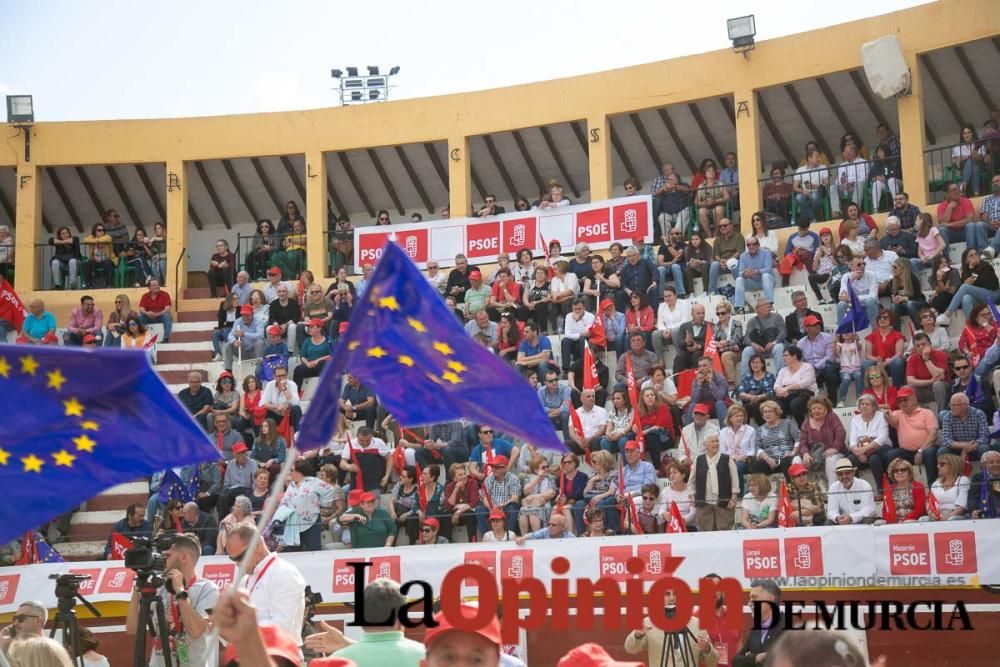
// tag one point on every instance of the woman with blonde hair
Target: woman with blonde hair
(678, 472)
(930, 244)
(760, 505)
(738, 440)
(599, 492)
(38, 652)
(851, 238)
(950, 490)
(908, 494)
(116, 321)
(906, 294)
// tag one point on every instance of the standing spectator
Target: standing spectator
(850, 499)
(66, 256)
(714, 487)
(822, 439)
(154, 307)
(117, 230)
(730, 177)
(927, 372)
(885, 174)
(84, 320)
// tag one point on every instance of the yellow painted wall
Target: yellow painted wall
(455, 118)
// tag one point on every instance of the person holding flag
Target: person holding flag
(984, 491)
(590, 423)
(692, 336)
(133, 525)
(858, 298)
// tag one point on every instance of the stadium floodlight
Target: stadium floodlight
(20, 110)
(394, 71)
(352, 71)
(373, 70)
(336, 73)
(355, 88)
(742, 31)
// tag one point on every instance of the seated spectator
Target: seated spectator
(489, 445)
(575, 376)
(670, 315)
(806, 498)
(280, 397)
(644, 522)
(100, 256)
(196, 398)
(370, 525)
(635, 273)
(694, 435)
(221, 268)
(133, 525)
(691, 338)
(985, 488)
(728, 336)
(84, 320)
(477, 295)
(252, 412)
(738, 440)
(202, 524)
(502, 490)
(657, 424)
(537, 301)
(852, 174)
(265, 243)
(293, 259)
(697, 262)
(39, 326)
(564, 288)
(905, 292)
(620, 424)
(260, 306)
(964, 433)
(795, 321)
(777, 441)
(808, 183)
(677, 491)
(715, 495)
(957, 219)
(601, 285)
(904, 244)
(480, 323)
(599, 493)
(238, 479)
(241, 515)
(576, 331)
(538, 491)
(916, 428)
(969, 157)
(460, 500)
(229, 312)
(154, 307)
(885, 348)
(820, 351)
(977, 398)
(357, 402)
(850, 499)
(302, 502)
(800, 250)
(868, 442)
(508, 337)
(505, 295)
(938, 335)
(760, 504)
(979, 285)
(709, 389)
(865, 285)
(927, 372)
(886, 174)
(226, 400)
(285, 312)
(642, 360)
(822, 438)
(316, 307)
(908, 495)
(242, 287)
(404, 505)
(572, 483)
(553, 197)
(951, 490)
(726, 250)
(756, 386)
(314, 352)
(979, 333)
(498, 531)
(639, 318)
(778, 194)
(765, 236)
(557, 529)
(670, 261)
(671, 201)
(795, 384)
(65, 257)
(710, 199)
(842, 257)
(555, 398)
(594, 420)
(170, 521)
(930, 250)
(534, 352)
(849, 352)
(137, 255)
(580, 263)
(766, 334)
(430, 528)
(246, 338)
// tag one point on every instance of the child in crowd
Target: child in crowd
(848, 352)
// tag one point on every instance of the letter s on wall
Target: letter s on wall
(595, 135)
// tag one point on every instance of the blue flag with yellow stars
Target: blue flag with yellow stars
(76, 422)
(404, 344)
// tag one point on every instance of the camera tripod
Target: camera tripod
(67, 593)
(677, 650)
(153, 619)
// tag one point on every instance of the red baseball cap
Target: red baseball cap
(368, 497)
(701, 409)
(278, 642)
(274, 330)
(246, 309)
(315, 322)
(607, 303)
(239, 447)
(274, 271)
(811, 321)
(631, 444)
(89, 338)
(796, 469)
(592, 655)
(475, 274)
(497, 513)
(354, 497)
(490, 632)
(825, 230)
(431, 521)
(906, 391)
(499, 460)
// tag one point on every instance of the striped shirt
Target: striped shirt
(778, 441)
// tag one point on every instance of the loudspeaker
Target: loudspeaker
(885, 67)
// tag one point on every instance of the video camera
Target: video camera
(68, 585)
(146, 557)
(312, 599)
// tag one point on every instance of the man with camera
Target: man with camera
(187, 601)
(29, 621)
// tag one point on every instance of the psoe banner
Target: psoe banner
(598, 224)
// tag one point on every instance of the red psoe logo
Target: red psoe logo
(117, 580)
(370, 247)
(414, 244)
(909, 554)
(803, 556)
(761, 558)
(482, 240)
(630, 221)
(955, 553)
(519, 233)
(384, 567)
(8, 588)
(593, 226)
(612, 562)
(517, 564)
(220, 574)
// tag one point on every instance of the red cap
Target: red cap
(315, 322)
(224, 374)
(631, 444)
(246, 309)
(905, 391)
(825, 230)
(499, 460)
(354, 497)
(274, 330)
(607, 303)
(89, 338)
(811, 321)
(278, 642)
(368, 497)
(332, 662)
(343, 327)
(274, 271)
(475, 274)
(490, 632)
(796, 469)
(701, 409)
(592, 655)
(497, 513)
(639, 239)
(239, 447)
(431, 521)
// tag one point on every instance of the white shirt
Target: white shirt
(593, 420)
(881, 268)
(271, 291)
(742, 443)
(668, 320)
(805, 377)
(858, 502)
(767, 242)
(271, 395)
(439, 281)
(567, 282)
(696, 439)
(684, 504)
(867, 286)
(277, 589)
(856, 170)
(956, 496)
(816, 176)
(574, 328)
(877, 428)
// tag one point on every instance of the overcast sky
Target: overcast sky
(86, 60)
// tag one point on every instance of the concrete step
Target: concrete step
(203, 325)
(180, 346)
(117, 503)
(183, 356)
(87, 550)
(199, 305)
(196, 315)
(178, 378)
(196, 336)
(85, 526)
(197, 293)
(98, 517)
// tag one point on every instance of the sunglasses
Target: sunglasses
(874, 376)
(962, 368)
(426, 530)
(485, 432)
(100, 229)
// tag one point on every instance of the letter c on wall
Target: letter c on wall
(456, 154)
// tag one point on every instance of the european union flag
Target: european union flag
(406, 346)
(172, 486)
(855, 319)
(77, 422)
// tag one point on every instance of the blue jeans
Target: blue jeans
(164, 319)
(483, 515)
(766, 283)
(616, 446)
(219, 337)
(809, 204)
(776, 353)
(973, 234)
(713, 276)
(677, 273)
(845, 379)
(967, 296)
(870, 305)
(972, 177)
(896, 367)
